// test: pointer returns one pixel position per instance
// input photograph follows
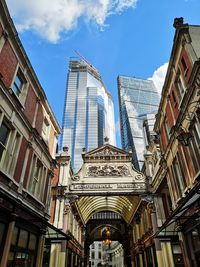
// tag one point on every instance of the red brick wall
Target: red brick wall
(163, 137)
(20, 160)
(30, 104)
(56, 177)
(174, 102)
(8, 64)
(169, 115)
(39, 119)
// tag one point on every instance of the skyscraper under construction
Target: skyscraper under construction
(88, 112)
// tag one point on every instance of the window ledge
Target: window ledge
(12, 181)
(33, 197)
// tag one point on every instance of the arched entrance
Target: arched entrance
(107, 184)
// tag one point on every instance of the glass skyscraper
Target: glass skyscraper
(88, 112)
(137, 98)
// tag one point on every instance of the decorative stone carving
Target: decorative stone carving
(139, 177)
(106, 152)
(107, 170)
(75, 178)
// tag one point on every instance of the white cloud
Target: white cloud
(159, 77)
(51, 18)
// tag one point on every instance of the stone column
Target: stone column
(8, 241)
(65, 227)
(156, 240)
(40, 249)
(184, 248)
(86, 252)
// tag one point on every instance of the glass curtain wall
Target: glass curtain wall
(137, 98)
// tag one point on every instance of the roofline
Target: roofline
(170, 65)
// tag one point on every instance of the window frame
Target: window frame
(3, 146)
(18, 89)
(37, 178)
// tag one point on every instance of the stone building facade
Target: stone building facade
(67, 252)
(173, 155)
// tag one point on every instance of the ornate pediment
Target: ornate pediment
(105, 153)
(107, 169)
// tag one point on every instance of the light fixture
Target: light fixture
(193, 107)
(184, 137)
(107, 241)
(106, 236)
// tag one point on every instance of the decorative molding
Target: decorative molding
(107, 170)
(75, 178)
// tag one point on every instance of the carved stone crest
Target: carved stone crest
(107, 170)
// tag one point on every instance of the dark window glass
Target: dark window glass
(185, 67)
(4, 131)
(18, 84)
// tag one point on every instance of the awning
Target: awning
(54, 234)
(169, 228)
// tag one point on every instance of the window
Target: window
(9, 147)
(180, 86)
(178, 177)
(18, 83)
(2, 237)
(36, 176)
(194, 146)
(23, 248)
(185, 67)
(167, 129)
(4, 133)
(174, 98)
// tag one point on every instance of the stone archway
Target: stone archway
(107, 182)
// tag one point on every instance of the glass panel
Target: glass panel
(17, 86)
(23, 239)
(2, 230)
(32, 242)
(176, 249)
(10, 259)
(14, 236)
(195, 240)
(4, 131)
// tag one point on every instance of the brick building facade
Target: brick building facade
(28, 141)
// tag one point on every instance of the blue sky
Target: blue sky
(127, 37)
